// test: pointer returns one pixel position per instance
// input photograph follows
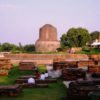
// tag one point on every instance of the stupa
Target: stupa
(47, 41)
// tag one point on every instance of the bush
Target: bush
(87, 49)
(59, 49)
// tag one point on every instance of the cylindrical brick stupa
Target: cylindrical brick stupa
(47, 41)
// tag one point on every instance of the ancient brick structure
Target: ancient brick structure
(25, 65)
(46, 58)
(47, 39)
(5, 66)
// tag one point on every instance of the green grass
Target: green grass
(61, 52)
(55, 91)
(15, 73)
(90, 51)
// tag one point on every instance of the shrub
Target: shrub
(86, 48)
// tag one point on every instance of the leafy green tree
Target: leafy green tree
(64, 41)
(29, 48)
(8, 47)
(0, 47)
(75, 37)
(94, 35)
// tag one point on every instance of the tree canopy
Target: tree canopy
(94, 35)
(8, 47)
(75, 37)
(64, 40)
(29, 47)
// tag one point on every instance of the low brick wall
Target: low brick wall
(95, 57)
(39, 62)
(44, 58)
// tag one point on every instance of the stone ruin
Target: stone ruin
(47, 41)
(5, 66)
(26, 65)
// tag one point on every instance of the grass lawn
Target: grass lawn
(90, 51)
(55, 91)
(15, 73)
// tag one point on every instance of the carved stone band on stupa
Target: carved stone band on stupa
(47, 39)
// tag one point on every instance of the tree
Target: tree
(75, 37)
(94, 35)
(64, 41)
(8, 47)
(0, 47)
(29, 48)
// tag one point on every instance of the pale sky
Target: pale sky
(20, 20)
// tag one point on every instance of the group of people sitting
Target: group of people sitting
(41, 76)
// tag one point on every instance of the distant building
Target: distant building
(47, 41)
(96, 42)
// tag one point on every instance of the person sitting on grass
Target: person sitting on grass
(46, 74)
(42, 76)
(31, 80)
(37, 75)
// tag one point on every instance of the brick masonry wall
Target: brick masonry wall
(44, 58)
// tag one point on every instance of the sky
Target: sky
(20, 20)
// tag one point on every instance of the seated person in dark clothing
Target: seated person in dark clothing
(37, 74)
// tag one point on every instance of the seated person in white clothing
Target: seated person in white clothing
(42, 76)
(31, 80)
(46, 74)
